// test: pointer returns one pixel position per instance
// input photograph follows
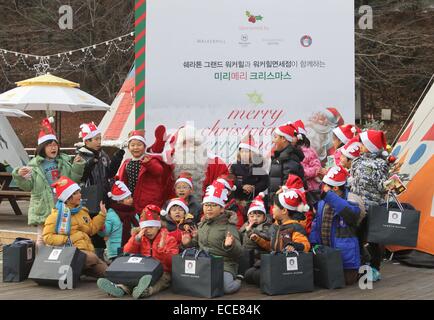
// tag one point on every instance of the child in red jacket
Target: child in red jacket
(146, 175)
(153, 241)
(177, 219)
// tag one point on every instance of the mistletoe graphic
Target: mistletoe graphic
(253, 18)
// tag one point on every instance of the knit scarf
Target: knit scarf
(326, 227)
(64, 214)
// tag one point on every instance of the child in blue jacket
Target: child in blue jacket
(114, 226)
(336, 221)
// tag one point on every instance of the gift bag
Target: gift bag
(18, 259)
(289, 272)
(91, 196)
(393, 226)
(328, 268)
(129, 269)
(198, 274)
(246, 261)
(55, 266)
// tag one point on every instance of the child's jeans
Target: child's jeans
(230, 284)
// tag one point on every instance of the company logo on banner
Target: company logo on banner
(251, 73)
(252, 18)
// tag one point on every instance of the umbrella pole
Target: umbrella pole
(59, 127)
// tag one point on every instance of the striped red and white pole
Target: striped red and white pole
(140, 61)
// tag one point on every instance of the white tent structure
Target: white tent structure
(11, 148)
(414, 150)
(119, 120)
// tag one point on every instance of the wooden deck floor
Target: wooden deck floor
(398, 282)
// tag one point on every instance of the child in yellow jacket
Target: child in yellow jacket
(70, 224)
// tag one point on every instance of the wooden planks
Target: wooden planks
(399, 282)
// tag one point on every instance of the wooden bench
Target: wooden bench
(11, 194)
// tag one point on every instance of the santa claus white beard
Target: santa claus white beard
(320, 138)
(189, 161)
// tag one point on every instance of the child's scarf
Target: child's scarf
(64, 214)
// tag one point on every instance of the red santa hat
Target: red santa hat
(294, 182)
(88, 131)
(47, 133)
(346, 132)
(334, 116)
(352, 149)
(374, 141)
(216, 193)
(258, 204)
(119, 191)
(299, 126)
(175, 202)
(294, 200)
(185, 177)
(288, 131)
(150, 217)
(64, 188)
(336, 176)
(228, 182)
(248, 143)
(137, 135)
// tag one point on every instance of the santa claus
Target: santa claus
(186, 150)
(319, 129)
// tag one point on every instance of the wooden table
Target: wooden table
(11, 194)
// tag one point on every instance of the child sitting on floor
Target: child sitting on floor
(153, 241)
(177, 219)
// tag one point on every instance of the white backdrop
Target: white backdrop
(210, 62)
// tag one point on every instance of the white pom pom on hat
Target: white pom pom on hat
(163, 213)
(51, 120)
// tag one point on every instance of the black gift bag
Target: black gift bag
(128, 270)
(18, 259)
(289, 272)
(246, 261)
(198, 274)
(91, 196)
(393, 226)
(328, 268)
(58, 266)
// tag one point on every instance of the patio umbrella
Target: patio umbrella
(50, 93)
(13, 113)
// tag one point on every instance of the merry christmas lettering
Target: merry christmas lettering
(267, 117)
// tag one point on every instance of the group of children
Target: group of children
(307, 205)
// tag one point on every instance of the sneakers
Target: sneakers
(239, 277)
(376, 275)
(143, 284)
(110, 288)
